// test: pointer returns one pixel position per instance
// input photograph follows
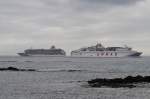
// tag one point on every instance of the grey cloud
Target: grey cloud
(111, 2)
(102, 5)
(71, 23)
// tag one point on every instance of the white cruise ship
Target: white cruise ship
(100, 51)
(43, 52)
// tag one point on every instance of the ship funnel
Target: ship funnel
(53, 47)
(99, 45)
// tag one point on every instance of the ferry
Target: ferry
(100, 51)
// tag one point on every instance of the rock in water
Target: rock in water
(12, 69)
(129, 81)
(15, 69)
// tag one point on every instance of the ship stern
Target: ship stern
(22, 54)
(136, 54)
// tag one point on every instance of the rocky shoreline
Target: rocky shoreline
(129, 81)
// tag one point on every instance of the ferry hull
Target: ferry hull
(136, 54)
(111, 54)
(22, 54)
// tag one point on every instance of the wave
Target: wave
(28, 61)
(60, 70)
(8, 61)
(39, 70)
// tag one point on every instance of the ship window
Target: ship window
(97, 54)
(115, 54)
(102, 53)
(106, 53)
(111, 54)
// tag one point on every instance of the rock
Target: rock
(15, 69)
(128, 81)
(12, 69)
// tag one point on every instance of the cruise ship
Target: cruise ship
(43, 52)
(100, 51)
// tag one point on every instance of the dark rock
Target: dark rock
(129, 82)
(12, 69)
(31, 70)
(15, 69)
(9, 68)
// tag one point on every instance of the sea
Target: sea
(66, 77)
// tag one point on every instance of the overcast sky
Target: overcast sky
(71, 24)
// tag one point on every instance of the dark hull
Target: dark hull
(38, 55)
(22, 54)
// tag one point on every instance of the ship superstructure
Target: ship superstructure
(44, 52)
(100, 51)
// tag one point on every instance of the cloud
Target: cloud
(71, 24)
(102, 5)
(110, 2)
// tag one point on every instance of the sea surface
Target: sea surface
(65, 77)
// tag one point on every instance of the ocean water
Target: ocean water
(65, 77)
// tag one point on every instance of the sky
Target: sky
(72, 24)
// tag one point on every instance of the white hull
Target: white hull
(105, 54)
